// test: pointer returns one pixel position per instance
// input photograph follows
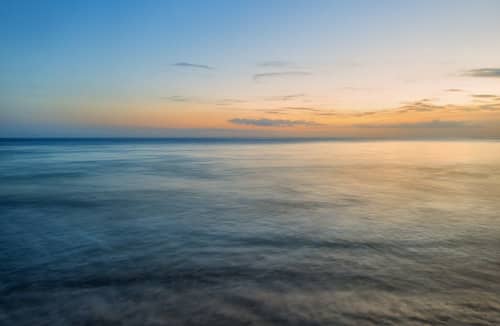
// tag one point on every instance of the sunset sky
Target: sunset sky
(250, 68)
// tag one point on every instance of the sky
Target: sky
(237, 68)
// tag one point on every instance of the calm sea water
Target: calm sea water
(165, 232)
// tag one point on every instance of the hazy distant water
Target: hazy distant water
(249, 233)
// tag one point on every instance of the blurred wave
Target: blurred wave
(166, 232)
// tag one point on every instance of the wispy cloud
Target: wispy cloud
(288, 97)
(229, 101)
(275, 64)
(423, 105)
(489, 103)
(178, 98)
(490, 107)
(272, 122)
(484, 96)
(281, 74)
(293, 110)
(483, 72)
(419, 106)
(275, 112)
(359, 89)
(328, 113)
(423, 124)
(301, 108)
(364, 114)
(192, 65)
(454, 90)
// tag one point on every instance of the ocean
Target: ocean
(249, 232)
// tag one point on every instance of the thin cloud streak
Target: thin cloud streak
(229, 101)
(192, 65)
(282, 74)
(272, 122)
(422, 106)
(275, 64)
(483, 72)
(424, 124)
(178, 98)
(488, 104)
(486, 96)
(301, 108)
(288, 97)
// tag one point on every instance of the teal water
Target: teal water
(211, 232)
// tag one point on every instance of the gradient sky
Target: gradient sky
(250, 68)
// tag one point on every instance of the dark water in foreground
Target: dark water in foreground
(243, 233)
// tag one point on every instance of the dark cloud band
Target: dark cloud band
(483, 72)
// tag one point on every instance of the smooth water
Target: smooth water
(166, 232)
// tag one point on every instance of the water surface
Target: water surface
(166, 232)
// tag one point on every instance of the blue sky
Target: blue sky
(175, 64)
